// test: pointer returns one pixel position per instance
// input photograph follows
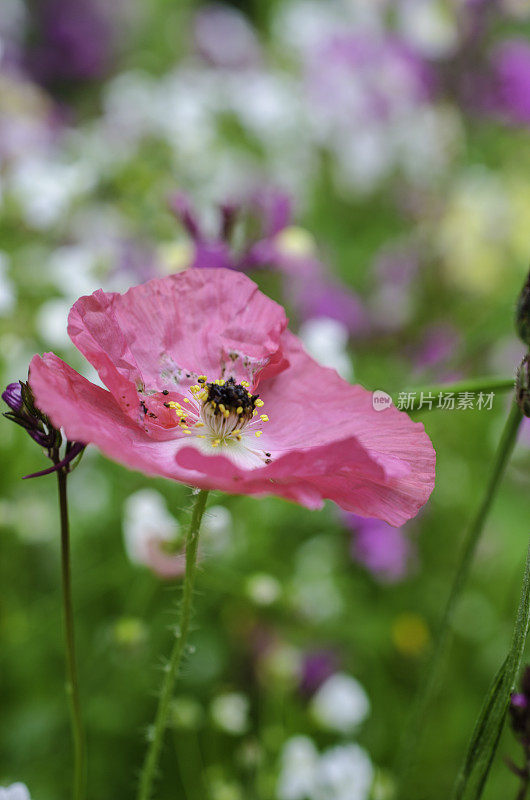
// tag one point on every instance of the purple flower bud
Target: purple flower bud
(12, 396)
(19, 398)
(518, 701)
(520, 709)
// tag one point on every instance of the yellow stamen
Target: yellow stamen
(259, 403)
(258, 433)
(264, 417)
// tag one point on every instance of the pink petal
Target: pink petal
(90, 414)
(327, 441)
(191, 323)
(325, 438)
(324, 409)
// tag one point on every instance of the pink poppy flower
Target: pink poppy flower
(207, 386)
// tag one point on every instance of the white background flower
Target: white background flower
(340, 704)
(230, 712)
(17, 791)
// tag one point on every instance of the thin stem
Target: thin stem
(156, 736)
(522, 794)
(477, 385)
(525, 778)
(412, 732)
(72, 682)
(486, 735)
(523, 773)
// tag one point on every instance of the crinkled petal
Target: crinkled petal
(165, 331)
(342, 471)
(327, 441)
(324, 438)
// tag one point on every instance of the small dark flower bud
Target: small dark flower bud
(518, 713)
(23, 411)
(519, 701)
(520, 708)
(12, 396)
(20, 400)
(522, 316)
(522, 389)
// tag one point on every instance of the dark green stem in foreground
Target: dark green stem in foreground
(484, 385)
(488, 728)
(156, 736)
(412, 731)
(72, 682)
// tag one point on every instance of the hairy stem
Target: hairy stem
(72, 681)
(412, 731)
(156, 736)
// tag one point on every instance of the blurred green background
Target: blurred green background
(399, 133)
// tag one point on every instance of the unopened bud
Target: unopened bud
(520, 709)
(24, 412)
(522, 316)
(19, 398)
(522, 386)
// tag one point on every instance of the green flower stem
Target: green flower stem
(488, 728)
(72, 682)
(413, 729)
(156, 736)
(484, 385)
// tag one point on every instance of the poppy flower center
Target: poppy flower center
(223, 413)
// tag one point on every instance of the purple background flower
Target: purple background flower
(385, 551)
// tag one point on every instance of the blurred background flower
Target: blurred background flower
(365, 162)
